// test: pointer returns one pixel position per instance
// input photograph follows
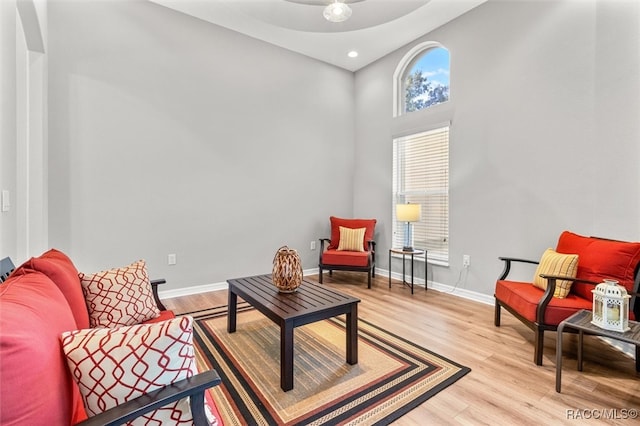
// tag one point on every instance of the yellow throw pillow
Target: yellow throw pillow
(351, 239)
(553, 263)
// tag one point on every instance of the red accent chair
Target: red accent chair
(347, 260)
(598, 259)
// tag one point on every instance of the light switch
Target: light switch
(6, 201)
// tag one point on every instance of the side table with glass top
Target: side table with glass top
(412, 254)
(581, 322)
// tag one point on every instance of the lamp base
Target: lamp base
(405, 248)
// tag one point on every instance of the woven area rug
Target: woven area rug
(392, 376)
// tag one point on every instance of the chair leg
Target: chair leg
(320, 276)
(374, 270)
(538, 346)
(496, 319)
(369, 279)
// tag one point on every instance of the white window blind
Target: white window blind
(421, 176)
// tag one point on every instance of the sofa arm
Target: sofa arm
(322, 241)
(562, 277)
(507, 264)
(371, 245)
(154, 288)
(549, 292)
(194, 386)
(372, 252)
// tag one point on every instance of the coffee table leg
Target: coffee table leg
(559, 357)
(352, 335)
(286, 356)
(231, 315)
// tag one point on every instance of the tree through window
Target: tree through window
(426, 82)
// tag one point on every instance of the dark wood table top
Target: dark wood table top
(299, 306)
(581, 320)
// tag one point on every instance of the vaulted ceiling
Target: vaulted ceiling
(376, 27)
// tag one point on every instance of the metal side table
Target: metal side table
(412, 253)
(581, 321)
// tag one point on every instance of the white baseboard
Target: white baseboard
(459, 292)
(444, 288)
(188, 291)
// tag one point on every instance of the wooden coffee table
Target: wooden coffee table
(310, 303)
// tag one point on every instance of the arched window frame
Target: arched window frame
(399, 75)
(436, 122)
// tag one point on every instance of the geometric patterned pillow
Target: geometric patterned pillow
(553, 263)
(115, 365)
(351, 239)
(120, 296)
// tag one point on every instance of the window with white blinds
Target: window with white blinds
(421, 176)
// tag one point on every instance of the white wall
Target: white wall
(545, 131)
(171, 135)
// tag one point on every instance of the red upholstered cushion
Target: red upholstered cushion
(524, 298)
(35, 385)
(59, 268)
(600, 259)
(345, 258)
(164, 315)
(337, 222)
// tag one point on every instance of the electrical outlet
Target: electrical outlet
(313, 245)
(172, 259)
(466, 260)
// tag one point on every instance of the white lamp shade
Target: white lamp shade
(408, 212)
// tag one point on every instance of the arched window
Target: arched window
(421, 149)
(422, 78)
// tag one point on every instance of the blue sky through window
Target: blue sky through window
(435, 65)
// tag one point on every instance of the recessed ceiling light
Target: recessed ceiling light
(352, 54)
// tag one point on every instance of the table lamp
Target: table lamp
(408, 213)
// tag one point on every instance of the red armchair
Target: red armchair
(541, 311)
(353, 249)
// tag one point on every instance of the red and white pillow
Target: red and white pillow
(119, 296)
(112, 366)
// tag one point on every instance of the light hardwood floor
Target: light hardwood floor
(504, 387)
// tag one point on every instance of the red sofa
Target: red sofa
(40, 300)
(598, 259)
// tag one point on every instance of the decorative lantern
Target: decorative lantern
(287, 270)
(611, 306)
